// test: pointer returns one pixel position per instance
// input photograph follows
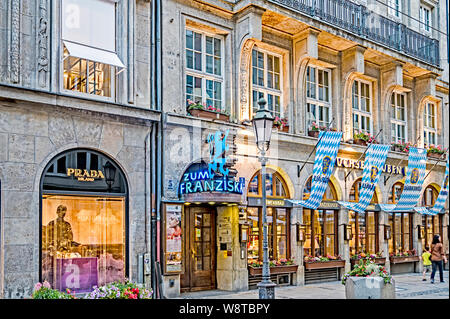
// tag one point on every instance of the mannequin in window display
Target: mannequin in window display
(59, 235)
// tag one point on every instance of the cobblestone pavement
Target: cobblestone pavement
(408, 286)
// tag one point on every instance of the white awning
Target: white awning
(93, 54)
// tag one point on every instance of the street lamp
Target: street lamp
(262, 125)
(110, 174)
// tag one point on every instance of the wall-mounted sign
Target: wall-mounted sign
(173, 239)
(213, 176)
(84, 175)
(351, 163)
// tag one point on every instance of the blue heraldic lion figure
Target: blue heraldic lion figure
(217, 148)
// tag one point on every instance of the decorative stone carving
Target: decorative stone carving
(43, 60)
(14, 50)
(244, 68)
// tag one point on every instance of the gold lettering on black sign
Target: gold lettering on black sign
(84, 175)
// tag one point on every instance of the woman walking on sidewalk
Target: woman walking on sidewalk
(437, 255)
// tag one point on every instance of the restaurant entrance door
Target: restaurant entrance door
(200, 252)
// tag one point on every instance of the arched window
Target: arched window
(84, 200)
(321, 225)
(277, 217)
(396, 192)
(318, 96)
(275, 185)
(330, 192)
(364, 226)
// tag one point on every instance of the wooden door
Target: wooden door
(200, 251)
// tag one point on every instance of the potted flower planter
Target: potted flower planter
(285, 128)
(325, 264)
(377, 260)
(436, 155)
(313, 133)
(369, 288)
(359, 141)
(256, 271)
(403, 259)
(206, 114)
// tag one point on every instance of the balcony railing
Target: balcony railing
(359, 20)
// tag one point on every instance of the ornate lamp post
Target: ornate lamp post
(262, 125)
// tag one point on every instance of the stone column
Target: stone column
(344, 249)
(231, 272)
(297, 247)
(383, 242)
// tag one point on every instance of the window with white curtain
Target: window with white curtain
(204, 69)
(88, 36)
(266, 81)
(429, 124)
(362, 106)
(318, 96)
(398, 118)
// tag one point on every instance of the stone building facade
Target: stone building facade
(342, 64)
(85, 95)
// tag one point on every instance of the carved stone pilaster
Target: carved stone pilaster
(244, 68)
(43, 59)
(14, 45)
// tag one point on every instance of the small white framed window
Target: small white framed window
(266, 75)
(398, 118)
(394, 7)
(425, 18)
(204, 69)
(88, 46)
(362, 106)
(429, 124)
(318, 96)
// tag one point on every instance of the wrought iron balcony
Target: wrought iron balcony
(359, 20)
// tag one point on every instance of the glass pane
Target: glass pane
(83, 241)
(253, 239)
(307, 247)
(352, 242)
(189, 39)
(269, 184)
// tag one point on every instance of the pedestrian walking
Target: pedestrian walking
(426, 261)
(437, 255)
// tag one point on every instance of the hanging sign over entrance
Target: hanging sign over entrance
(213, 176)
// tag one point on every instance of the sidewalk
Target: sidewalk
(408, 286)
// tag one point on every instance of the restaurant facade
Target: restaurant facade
(315, 75)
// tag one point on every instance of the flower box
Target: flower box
(324, 264)
(313, 133)
(369, 288)
(257, 271)
(359, 141)
(436, 155)
(285, 128)
(206, 114)
(403, 259)
(377, 260)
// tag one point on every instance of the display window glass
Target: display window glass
(85, 234)
(401, 239)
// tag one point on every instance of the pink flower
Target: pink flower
(37, 286)
(47, 285)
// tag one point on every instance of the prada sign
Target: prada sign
(84, 175)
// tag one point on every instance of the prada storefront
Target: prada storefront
(84, 204)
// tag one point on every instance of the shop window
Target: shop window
(318, 96)
(204, 69)
(321, 225)
(362, 106)
(429, 124)
(266, 81)
(401, 239)
(90, 61)
(277, 220)
(83, 222)
(432, 224)
(364, 226)
(398, 118)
